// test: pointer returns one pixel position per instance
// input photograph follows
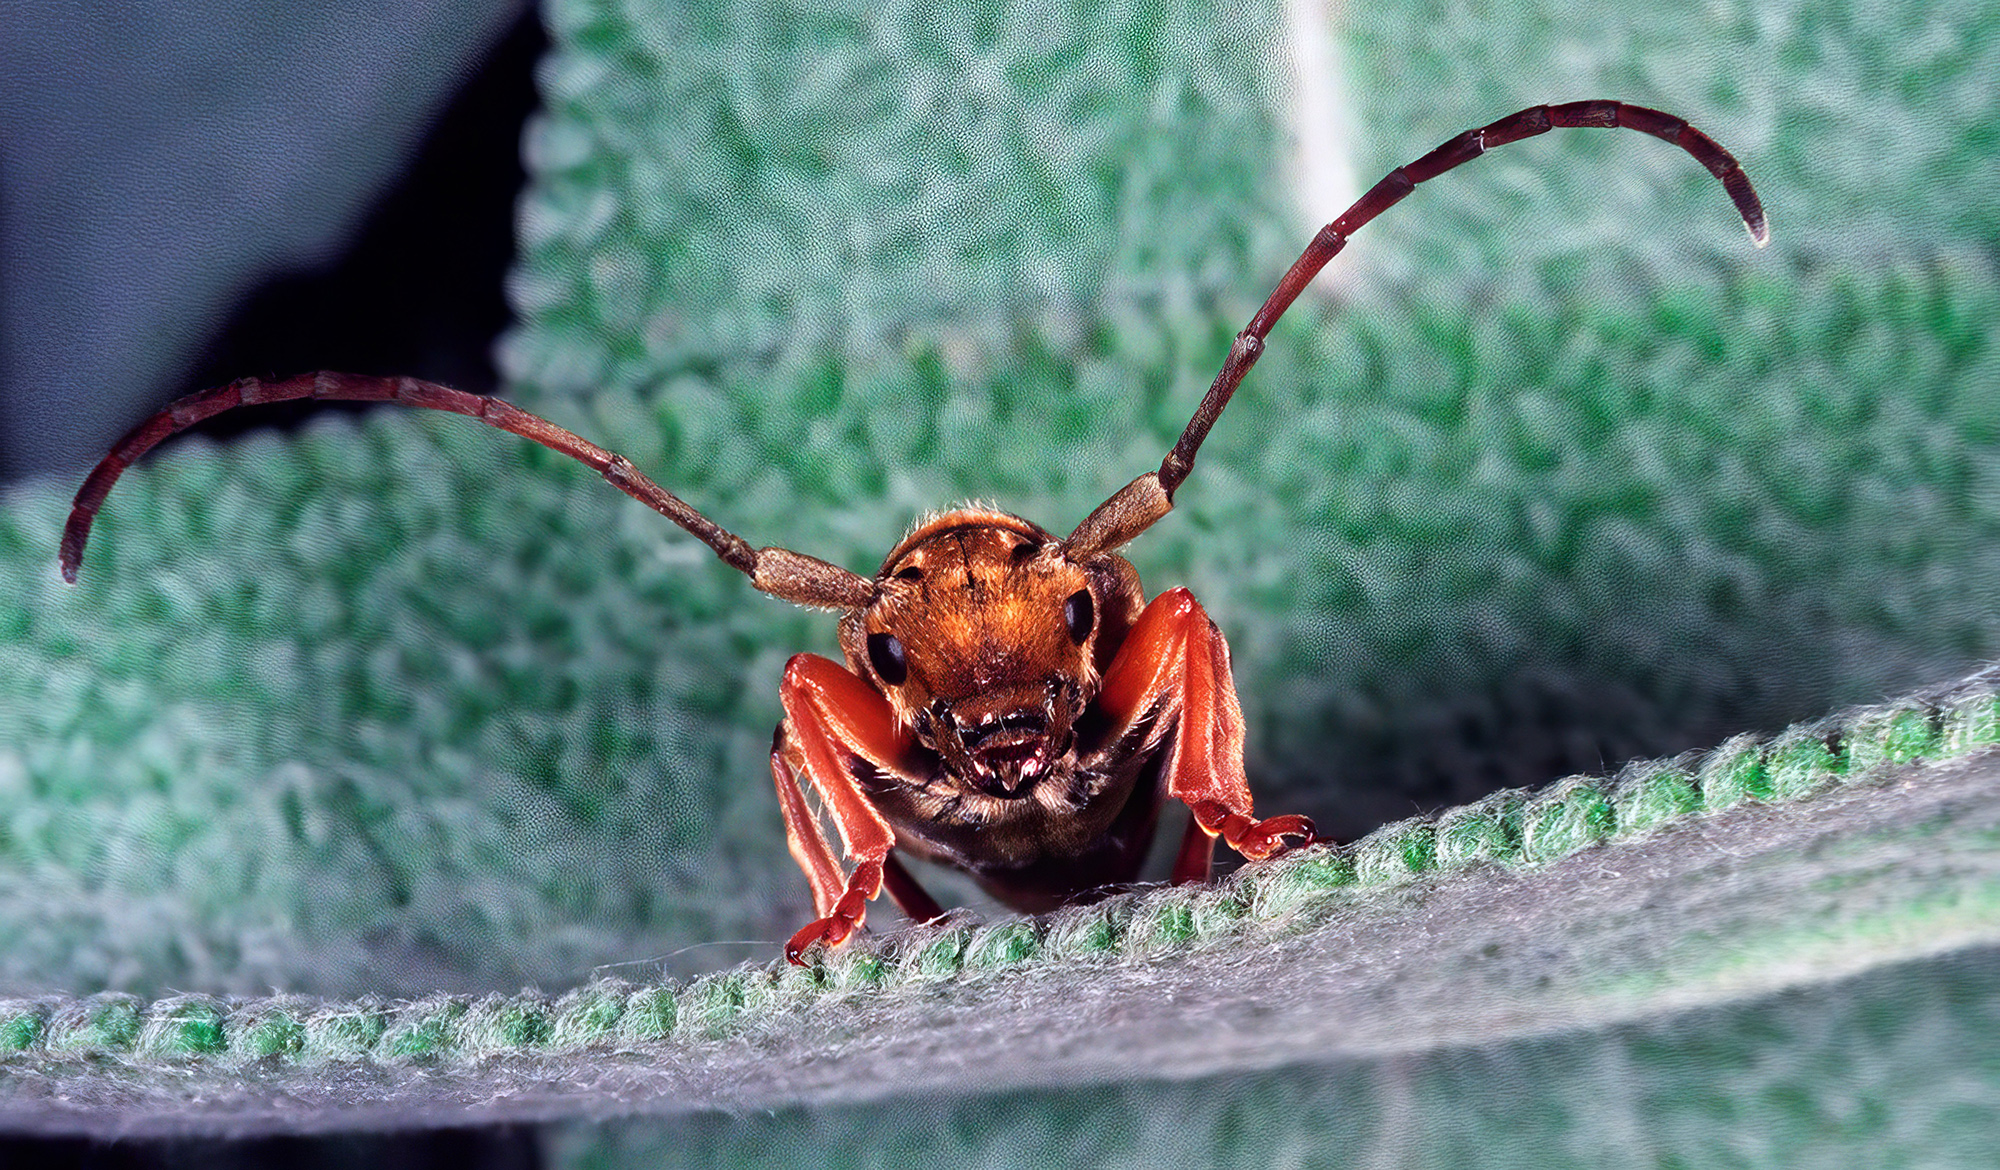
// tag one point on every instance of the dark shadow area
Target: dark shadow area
(497, 1148)
(420, 292)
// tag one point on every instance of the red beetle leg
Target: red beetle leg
(1175, 664)
(831, 719)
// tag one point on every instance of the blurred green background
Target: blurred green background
(1551, 471)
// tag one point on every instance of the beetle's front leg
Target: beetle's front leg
(833, 719)
(1175, 666)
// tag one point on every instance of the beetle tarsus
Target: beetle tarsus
(1273, 836)
(819, 931)
(839, 926)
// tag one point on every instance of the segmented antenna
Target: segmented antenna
(781, 572)
(1249, 344)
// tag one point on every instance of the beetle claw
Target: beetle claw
(831, 930)
(835, 928)
(1260, 840)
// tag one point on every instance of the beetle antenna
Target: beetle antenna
(1136, 506)
(780, 572)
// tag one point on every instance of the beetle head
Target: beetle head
(984, 636)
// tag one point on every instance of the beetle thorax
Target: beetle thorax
(981, 638)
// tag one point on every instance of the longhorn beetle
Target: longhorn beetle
(1011, 705)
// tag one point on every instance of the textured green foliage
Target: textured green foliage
(1394, 852)
(588, 1014)
(1649, 796)
(1692, 1090)
(180, 1028)
(22, 1027)
(650, 1015)
(1258, 905)
(929, 179)
(1970, 723)
(1799, 763)
(1548, 437)
(712, 1004)
(933, 955)
(427, 1030)
(1485, 831)
(348, 1032)
(268, 1030)
(1009, 943)
(1893, 737)
(1567, 816)
(520, 1024)
(1567, 475)
(103, 1025)
(1733, 774)
(1087, 935)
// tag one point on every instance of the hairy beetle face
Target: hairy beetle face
(982, 638)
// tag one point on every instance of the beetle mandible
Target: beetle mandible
(1011, 705)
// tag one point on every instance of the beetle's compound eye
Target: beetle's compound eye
(1079, 614)
(885, 654)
